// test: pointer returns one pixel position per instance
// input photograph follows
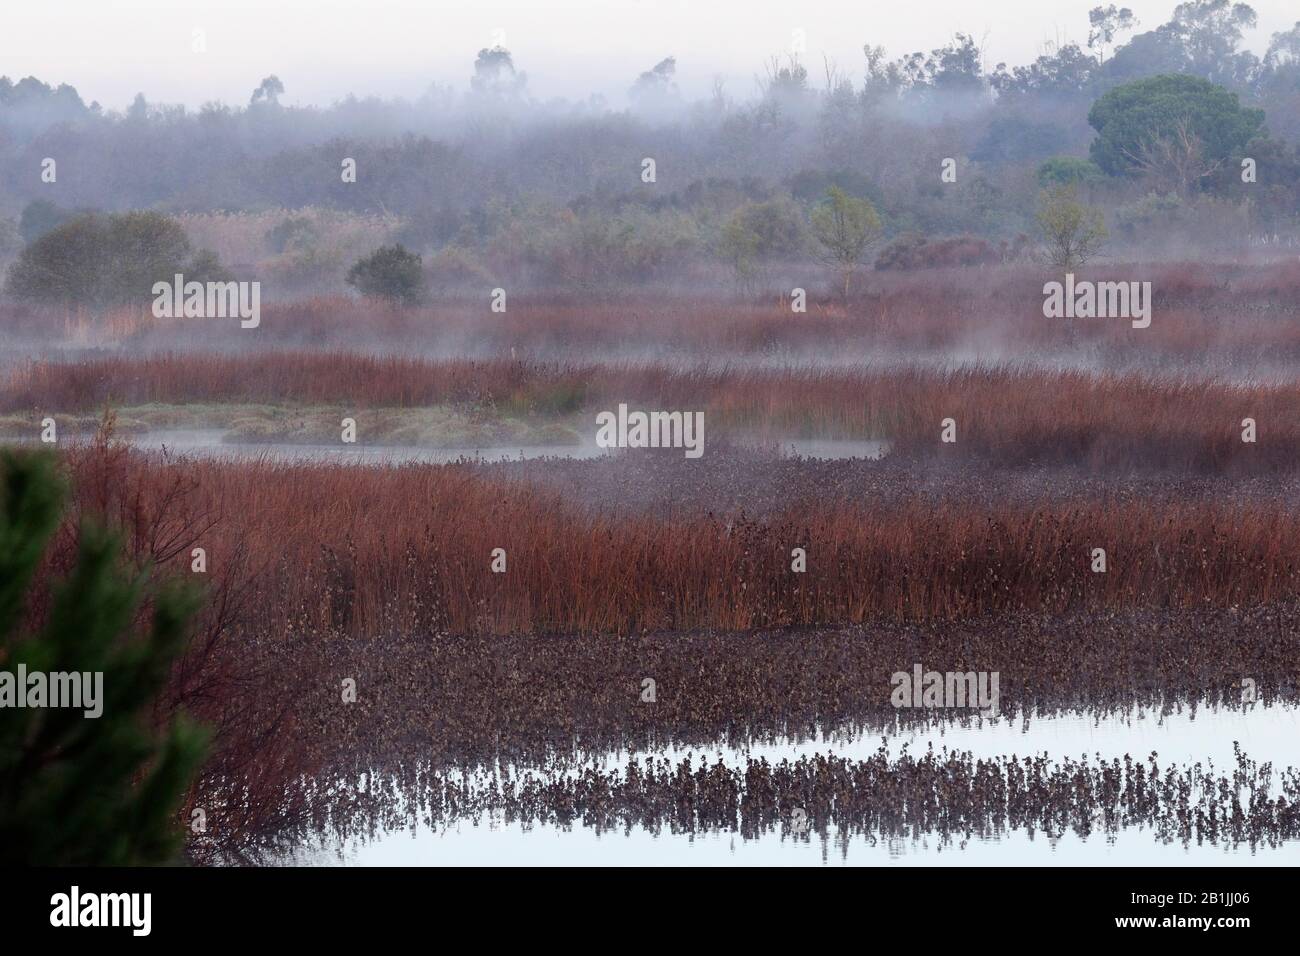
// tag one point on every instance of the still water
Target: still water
(210, 443)
(1182, 738)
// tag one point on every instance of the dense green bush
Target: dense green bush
(390, 272)
(105, 260)
(1060, 170)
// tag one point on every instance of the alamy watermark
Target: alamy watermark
(208, 300)
(626, 429)
(71, 689)
(922, 688)
(1098, 300)
(75, 908)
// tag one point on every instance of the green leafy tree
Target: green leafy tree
(1072, 232)
(76, 790)
(1105, 23)
(758, 233)
(847, 228)
(1202, 38)
(390, 272)
(1176, 124)
(106, 260)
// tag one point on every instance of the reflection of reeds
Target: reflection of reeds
(950, 794)
(466, 700)
(542, 704)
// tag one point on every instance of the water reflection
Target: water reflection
(489, 844)
(214, 443)
(827, 449)
(210, 443)
(1148, 786)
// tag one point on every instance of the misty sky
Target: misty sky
(324, 49)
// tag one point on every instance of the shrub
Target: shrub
(758, 233)
(292, 234)
(914, 251)
(390, 272)
(1152, 210)
(1073, 233)
(107, 260)
(594, 249)
(1159, 224)
(1060, 170)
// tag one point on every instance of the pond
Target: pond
(558, 812)
(211, 443)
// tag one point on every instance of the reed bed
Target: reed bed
(369, 551)
(1005, 414)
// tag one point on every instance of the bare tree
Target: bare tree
(1176, 161)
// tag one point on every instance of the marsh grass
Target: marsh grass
(407, 549)
(1008, 415)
